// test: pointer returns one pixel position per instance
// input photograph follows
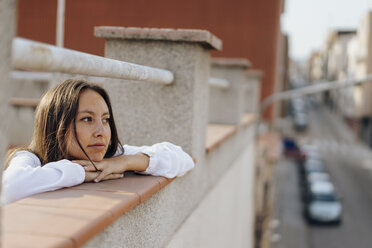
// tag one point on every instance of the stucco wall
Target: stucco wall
(225, 217)
(222, 182)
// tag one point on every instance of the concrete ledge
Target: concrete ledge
(167, 211)
(248, 119)
(182, 35)
(35, 241)
(232, 62)
(218, 133)
(78, 213)
(72, 216)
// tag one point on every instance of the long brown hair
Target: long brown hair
(54, 114)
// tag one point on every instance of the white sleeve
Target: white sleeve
(166, 159)
(25, 176)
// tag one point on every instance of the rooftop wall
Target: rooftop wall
(216, 199)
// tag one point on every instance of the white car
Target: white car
(322, 204)
(318, 177)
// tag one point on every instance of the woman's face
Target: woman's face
(92, 128)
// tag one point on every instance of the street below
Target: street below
(349, 164)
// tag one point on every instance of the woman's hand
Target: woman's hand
(111, 168)
(91, 175)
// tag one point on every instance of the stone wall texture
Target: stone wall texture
(7, 19)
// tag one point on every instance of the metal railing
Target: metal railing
(307, 90)
(35, 56)
(312, 89)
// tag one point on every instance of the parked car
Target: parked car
(300, 122)
(317, 177)
(291, 149)
(311, 165)
(299, 114)
(311, 170)
(322, 204)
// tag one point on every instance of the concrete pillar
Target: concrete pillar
(227, 105)
(253, 91)
(7, 24)
(147, 113)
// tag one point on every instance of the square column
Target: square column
(227, 105)
(7, 25)
(148, 113)
(253, 90)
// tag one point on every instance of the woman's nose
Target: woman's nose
(99, 129)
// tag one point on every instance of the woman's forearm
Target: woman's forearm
(138, 162)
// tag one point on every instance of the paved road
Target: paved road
(350, 167)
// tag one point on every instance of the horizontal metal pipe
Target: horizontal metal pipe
(312, 89)
(47, 76)
(219, 82)
(35, 56)
(308, 90)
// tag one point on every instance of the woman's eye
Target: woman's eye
(106, 120)
(86, 119)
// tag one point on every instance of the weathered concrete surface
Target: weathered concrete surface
(159, 221)
(7, 24)
(164, 34)
(20, 132)
(226, 106)
(253, 90)
(148, 113)
(225, 216)
(7, 19)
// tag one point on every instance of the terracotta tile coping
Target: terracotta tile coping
(24, 102)
(218, 133)
(72, 216)
(231, 62)
(136, 33)
(35, 241)
(248, 119)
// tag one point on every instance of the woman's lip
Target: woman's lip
(98, 145)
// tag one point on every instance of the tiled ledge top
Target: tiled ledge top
(72, 216)
(24, 102)
(248, 119)
(231, 62)
(218, 133)
(255, 73)
(185, 35)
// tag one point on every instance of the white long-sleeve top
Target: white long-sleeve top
(25, 176)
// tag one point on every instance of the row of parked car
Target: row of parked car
(320, 201)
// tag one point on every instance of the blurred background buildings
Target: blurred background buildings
(346, 55)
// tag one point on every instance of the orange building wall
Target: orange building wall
(37, 20)
(248, 28)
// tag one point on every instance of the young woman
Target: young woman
(75, 140)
